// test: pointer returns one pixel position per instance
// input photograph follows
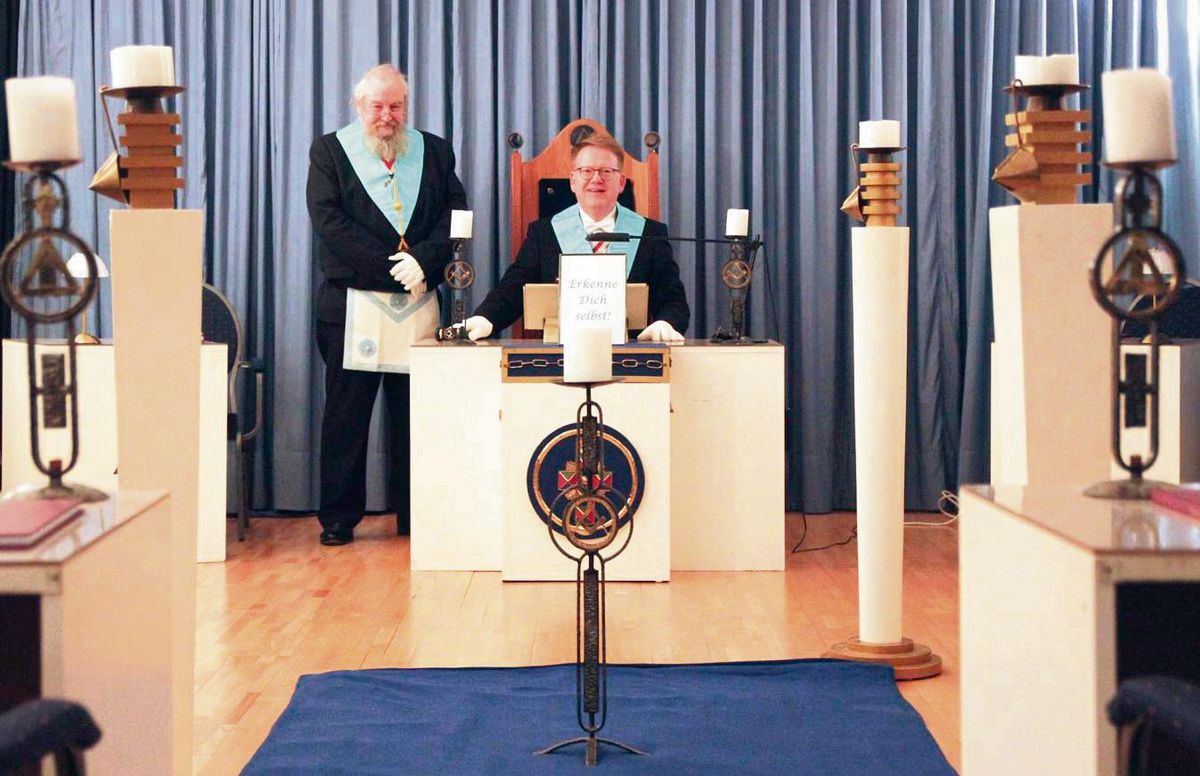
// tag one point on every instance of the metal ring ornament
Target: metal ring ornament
(459, 274)
(576, 534)
(1104, 295)
(736, 273)
(10, 289)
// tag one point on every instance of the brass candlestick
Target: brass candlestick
(1043, 167)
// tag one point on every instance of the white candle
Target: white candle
(42, 121)
(142, 66)
(879, 134)
(737, 222)
(460, 224)
(1062, 69)
(1030, 70)
(1139, 124)
(587, 356)
(1039, 71)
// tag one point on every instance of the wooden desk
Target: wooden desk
(86, 615)
(726, 467)
(97, 465)
(1062, 596)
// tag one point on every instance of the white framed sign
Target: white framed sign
(591, 293)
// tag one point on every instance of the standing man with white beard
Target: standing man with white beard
(379, 196)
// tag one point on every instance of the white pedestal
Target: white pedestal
(103, 588)
(1040, 568)
(639, 411)
(1050, 359)
(726, 465)
(454, 401)
(1179, 415)
(880, 297)
(97, 464)
(157, 271)
(727, 458)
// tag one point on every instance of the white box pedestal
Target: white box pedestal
(98, 456)
(725, 471)
(157, 271)
(640, 412)
(1050, 359)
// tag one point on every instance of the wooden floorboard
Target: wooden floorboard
(282, 606)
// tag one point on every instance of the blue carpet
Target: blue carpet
(794, 717)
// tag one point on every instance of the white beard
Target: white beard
(388, 148)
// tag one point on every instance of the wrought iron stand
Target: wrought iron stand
(590, 524)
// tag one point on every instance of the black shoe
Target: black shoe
(336, 535)
(402, 525)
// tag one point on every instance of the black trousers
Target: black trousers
(349, 400)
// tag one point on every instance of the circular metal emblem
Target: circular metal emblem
(459, 274)
(367, 348)
(553, 475)
(398, 301)
(1122, 283)
(736, 273)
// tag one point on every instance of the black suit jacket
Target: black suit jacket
(537, 262)
(354, 240)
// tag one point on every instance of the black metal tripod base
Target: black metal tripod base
(593, 747)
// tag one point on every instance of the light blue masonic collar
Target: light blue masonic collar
(394, 193)
(568, 228)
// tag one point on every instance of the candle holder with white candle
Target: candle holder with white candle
(879, 281)
(875, 199)
(34, 279)
(144, 76)
(736, 274)
(460, 276)
(1129, 268)
(1043, 167)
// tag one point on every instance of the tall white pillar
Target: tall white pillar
(879, 273)
(157, 271)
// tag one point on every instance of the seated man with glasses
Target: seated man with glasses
(596, 181)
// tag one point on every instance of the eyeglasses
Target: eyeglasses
(604, 172)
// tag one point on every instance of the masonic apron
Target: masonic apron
(381, 325)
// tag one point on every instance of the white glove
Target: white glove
(660, 331)
(477, 327)
(407, 271)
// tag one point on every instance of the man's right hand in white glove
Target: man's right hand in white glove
(477, 327)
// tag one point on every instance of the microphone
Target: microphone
(626, 237)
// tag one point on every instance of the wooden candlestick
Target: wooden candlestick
(1043, 168)
(876, 199)
(151, 140)
(880, 184)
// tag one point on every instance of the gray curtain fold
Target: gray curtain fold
(757, 103)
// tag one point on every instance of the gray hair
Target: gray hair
(378, 74)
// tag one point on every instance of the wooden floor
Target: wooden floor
(282, 606)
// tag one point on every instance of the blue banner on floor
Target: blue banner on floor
(789, 717)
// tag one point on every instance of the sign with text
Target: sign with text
(591, 293)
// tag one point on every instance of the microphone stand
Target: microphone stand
(736, 274)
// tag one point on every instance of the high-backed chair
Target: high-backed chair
(541, 187)
(220, 323)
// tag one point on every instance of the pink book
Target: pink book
(1185, 498)
(25, 522)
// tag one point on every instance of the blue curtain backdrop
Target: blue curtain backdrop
(757, 103)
